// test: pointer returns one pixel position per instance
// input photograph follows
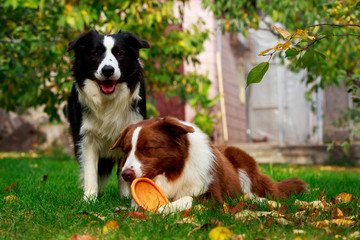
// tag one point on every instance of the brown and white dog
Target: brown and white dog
(181, 160)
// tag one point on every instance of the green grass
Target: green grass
(53, 209)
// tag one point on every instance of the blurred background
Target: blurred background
(196, 69)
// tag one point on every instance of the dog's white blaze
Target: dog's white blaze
(132, 162)
(246, 183)
(109, 60)
(201, 161)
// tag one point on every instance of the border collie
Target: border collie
(180, 159)
(108, 94)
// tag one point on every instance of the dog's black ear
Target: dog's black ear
(80, 40)
(134, 41)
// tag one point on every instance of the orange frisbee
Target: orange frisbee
(147, 194)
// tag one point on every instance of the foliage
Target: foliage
(325, 39)
(31, 209)
(36, 70)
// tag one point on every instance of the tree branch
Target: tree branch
(331, 24)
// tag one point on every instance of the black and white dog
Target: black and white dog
(108, 94)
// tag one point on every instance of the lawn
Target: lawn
(45, 203)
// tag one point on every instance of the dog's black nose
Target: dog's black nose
(128, 175)
(107, 70)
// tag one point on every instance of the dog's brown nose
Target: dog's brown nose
(128, 175)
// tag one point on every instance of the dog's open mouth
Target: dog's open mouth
(107, 86)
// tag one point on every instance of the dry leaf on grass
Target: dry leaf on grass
(137, 215)
(302, 205)
(10, 187)
(272, 205)
(44, 178)
(82, 237)
(343, 198)
(220, 233)
(298, 231)
(316, 205)
(11, 198)
(110, 226)
(342, 222)
(337, 213)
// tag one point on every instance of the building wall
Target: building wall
(235, 111)
(233, 79)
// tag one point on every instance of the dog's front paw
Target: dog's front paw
(178, 205)
(90, 196)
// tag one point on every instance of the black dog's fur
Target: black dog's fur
(90, 51)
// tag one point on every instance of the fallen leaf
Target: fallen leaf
(342, 222)
(82, 237)
(316, 204)
(282, 221)
(9, 187)
(44, 178)
(110, 226)
(226, 208)
(337, 213)
(321, 195)
(272, 205)
(283, 209)
(239, 206)
(355, 235)
(343, 198)
(301, 214)
(298, 231)
(320, 224)
(220, 233)
(238, 237)
(302, 205)
(137, 215)
(11, 198)
(245, 214)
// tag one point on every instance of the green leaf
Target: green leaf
(291, 53)
(257, 73)
(308, 58)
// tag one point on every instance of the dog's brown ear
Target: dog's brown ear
(120, 141)
(80, 40)
(174, 127)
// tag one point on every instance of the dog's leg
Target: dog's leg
(89, 162)
(105, 167)
(178, 205)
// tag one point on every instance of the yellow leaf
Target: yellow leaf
(282, 32)
(337, 213)
(343, 197)
(342, 222)
(68, 9)
(284, 47)
(110, 226)
(220, 233)
(227, 25)
(11, 198)
(301, 32)
(272, 205)
(266, 51)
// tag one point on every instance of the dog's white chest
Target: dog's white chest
(106, 115)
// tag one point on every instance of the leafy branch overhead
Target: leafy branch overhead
(294, 45)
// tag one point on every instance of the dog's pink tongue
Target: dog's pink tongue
(107, 86)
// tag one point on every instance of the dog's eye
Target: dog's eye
(118, 52)
(95, 54)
